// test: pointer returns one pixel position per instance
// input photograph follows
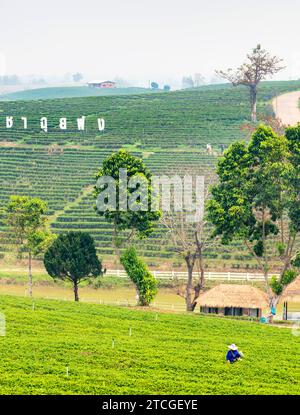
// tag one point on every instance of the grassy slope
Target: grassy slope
(69, 92)
(169, 130)
(173, 354)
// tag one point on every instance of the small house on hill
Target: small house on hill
(234, 300)
(101, 84)
(291, 295)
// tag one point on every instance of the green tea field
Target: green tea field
(56, 347)
(169, 131)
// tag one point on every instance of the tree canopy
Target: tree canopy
(130, 208)
(257, 201)
(72, 257)
(137, 270)
(26, 217)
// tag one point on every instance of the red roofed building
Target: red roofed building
(102, 84)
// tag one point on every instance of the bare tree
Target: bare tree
(190, 241)
(259, 66)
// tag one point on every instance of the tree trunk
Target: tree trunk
(273, 303)
(253, 100)
(115, 244)
(30, 273)
(189, 287)
(76, 291)
(201, 279)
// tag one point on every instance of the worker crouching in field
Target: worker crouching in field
(233, 355)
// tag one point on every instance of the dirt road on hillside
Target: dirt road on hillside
(286, 108)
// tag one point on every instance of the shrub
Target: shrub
(138, 272)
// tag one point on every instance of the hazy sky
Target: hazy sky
(141, 40)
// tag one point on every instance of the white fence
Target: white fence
(174, 275)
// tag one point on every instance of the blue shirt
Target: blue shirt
(232, 355)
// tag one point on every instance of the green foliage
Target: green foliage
(40, 241)
(25, 215)
(288, 277)
(72, 256)
(140, 220)
(259, 248)
(281, 247)
(138, 272)
(26, 218)
(175, 354)
(278, 284)
(296, 260)
(258, 190)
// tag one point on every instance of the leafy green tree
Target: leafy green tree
(27, 220)
(130, 208)
(257, 201)
(72, 256)
(137, 270)
(154, 86)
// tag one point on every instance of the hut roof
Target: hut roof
(234, 295)
(292, 291)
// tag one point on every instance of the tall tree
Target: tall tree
(72, 256)
(190, 241)
(259, 65)
(257, 200)
(27, 220)
(154, 85)
(128, 210)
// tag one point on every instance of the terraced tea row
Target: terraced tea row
(189, 118)
(168, 130)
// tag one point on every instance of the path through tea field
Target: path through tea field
(287, 107)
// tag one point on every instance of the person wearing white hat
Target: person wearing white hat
(233, 354)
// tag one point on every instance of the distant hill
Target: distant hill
(69, 92)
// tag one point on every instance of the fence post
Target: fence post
(228, 276)
(209, 275)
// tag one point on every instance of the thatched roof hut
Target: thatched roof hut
(234, 295)
(292, 292)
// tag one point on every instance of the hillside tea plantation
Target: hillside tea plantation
(168, 130)
(165, 353)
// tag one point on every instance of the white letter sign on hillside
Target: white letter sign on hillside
(62, 123)
(101, 124)
(44, 124)
(80, 123)
(9, 122)
(24, 119)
